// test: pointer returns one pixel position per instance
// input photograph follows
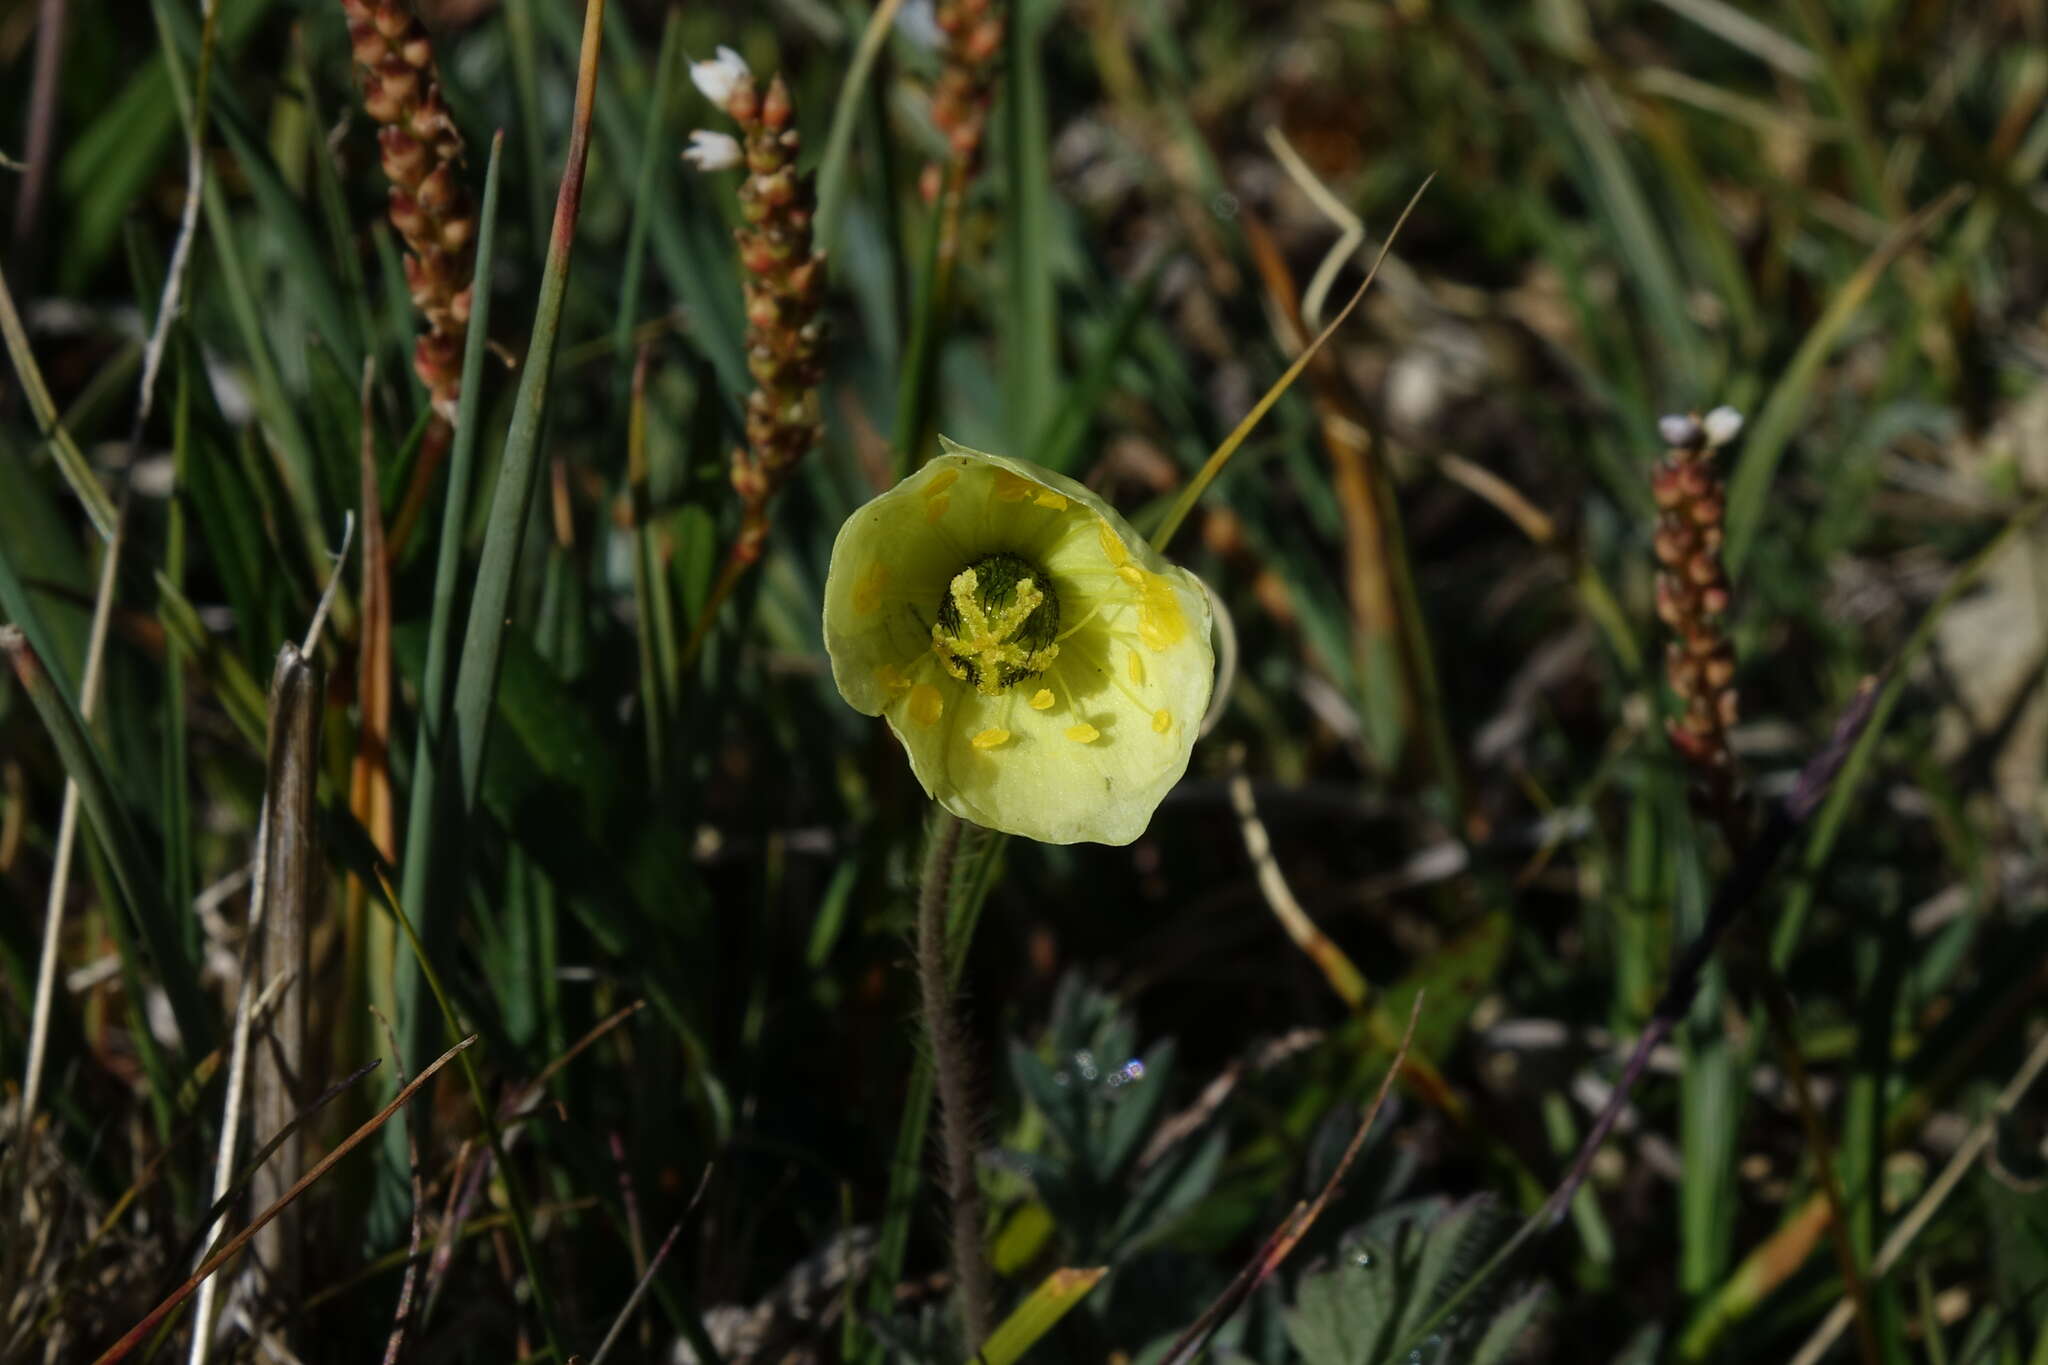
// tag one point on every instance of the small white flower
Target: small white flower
(717, 77)
(709, 151)
(1679, 429)
(919, 21)
(1722, 424)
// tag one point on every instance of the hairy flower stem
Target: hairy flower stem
(958, 1125)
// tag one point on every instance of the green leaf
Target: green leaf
(1054, 1298)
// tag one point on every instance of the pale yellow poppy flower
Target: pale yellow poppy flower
(1044, 668)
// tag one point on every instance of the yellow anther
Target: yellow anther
(1137, 669)
(1010, 488)
(991, 738)
(926, 705)
(1042, 699)
(1083, 734)
(867, 593)
(891, 677)
(1112, 548)
(939, 483)
(1160, 622)
(1162, 721)
(1131, 574)
(1048, 498)
(934, 508)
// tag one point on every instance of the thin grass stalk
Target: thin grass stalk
(133, 875)
(633, 1299)
(1960, 1162)
(402, 1316)
(231, 1106)
(188, 223)
(515, 1189)
(651, 144)
(370, 797)
(1163, 535)
(959, 1129)
(1739, 889)
(67, 836)
(650, 602)
(71, 461)
(135, 1335)
(295, 462)
(51, 22)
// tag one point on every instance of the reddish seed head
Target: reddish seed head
(406, 215)
(744, 104)
(404, 159)
(776, 109)
(365, 44)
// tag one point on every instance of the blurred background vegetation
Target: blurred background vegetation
(1448, 699)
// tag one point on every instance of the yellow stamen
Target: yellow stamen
(891, 677)
(1131, 574)
(1042, 699)
(926, 705)
(939, 483)
(935, 508)
(1162, 721)
(1083, 734)
(1010, 488)
(989, 739)
(867, 593)
(1048, 498)
(1137, 669)
(1112, 548)
(988, 638)
(1160, 621)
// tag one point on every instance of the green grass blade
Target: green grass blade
(1059, 443)
(1641, 240)
(519, 467)
(1030, 344)
(1041, 1310)
(433, 754)
(70, 459)
(134, 877)
(1827, 822)
(1749, 486)
(651, 144)
(833, 166)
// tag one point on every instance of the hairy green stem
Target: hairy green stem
(950, 1067)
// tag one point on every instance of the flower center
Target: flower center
(997, 623)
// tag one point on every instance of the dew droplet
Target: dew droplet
(1361, 1259)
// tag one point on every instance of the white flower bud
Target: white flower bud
(717, 77)
(709, 151)
(1722, 424)
(1679, 429)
